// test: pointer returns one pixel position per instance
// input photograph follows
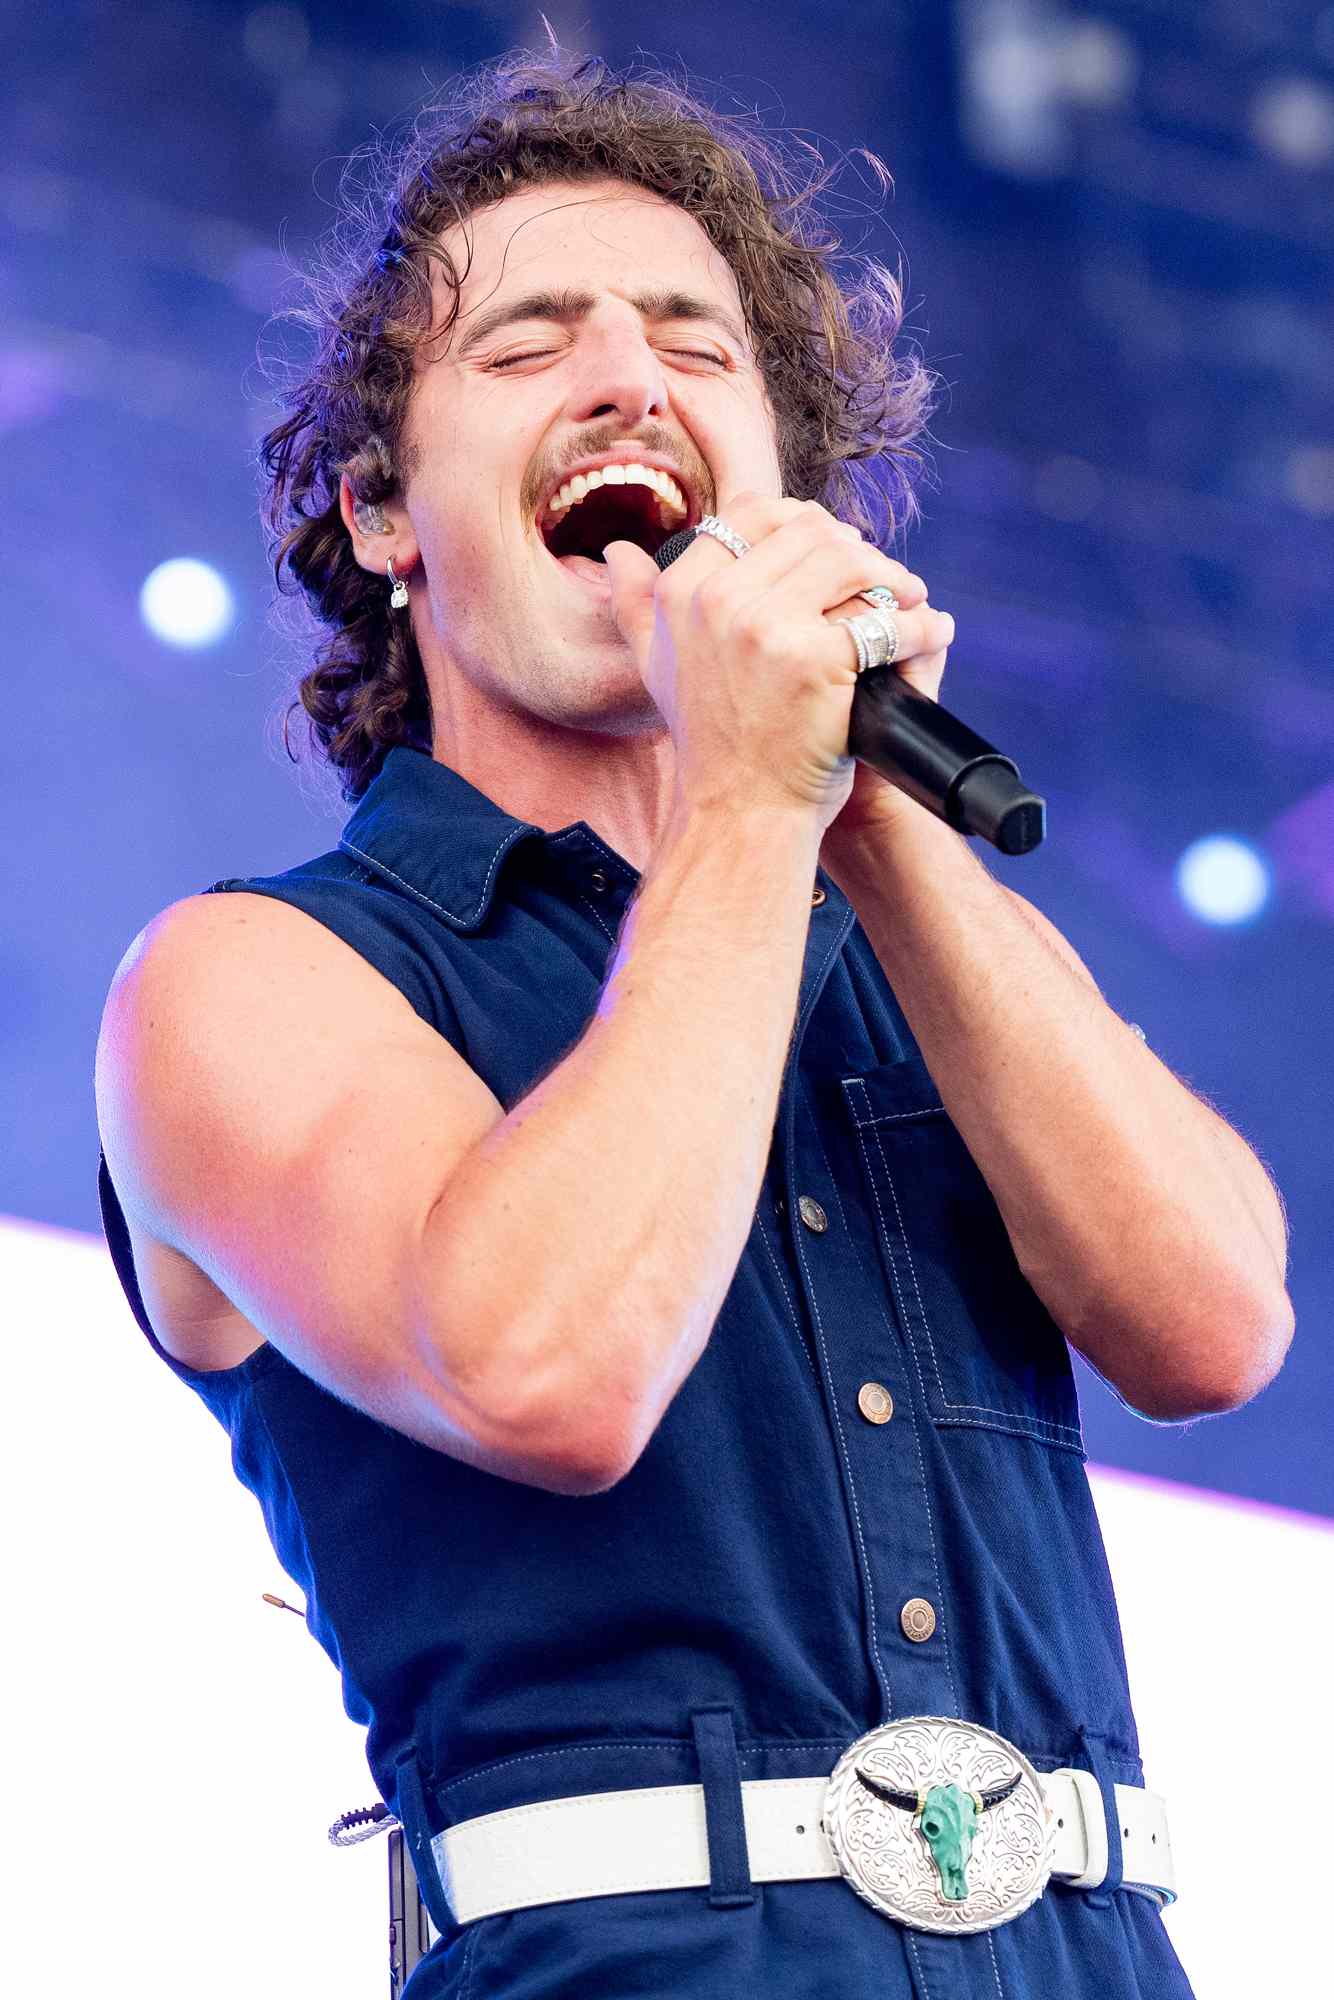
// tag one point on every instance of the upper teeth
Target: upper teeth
(574, 490)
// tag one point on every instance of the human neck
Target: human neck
(552, 777)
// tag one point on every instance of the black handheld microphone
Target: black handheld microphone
(929, 754)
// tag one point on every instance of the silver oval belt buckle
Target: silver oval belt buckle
(940, 1824)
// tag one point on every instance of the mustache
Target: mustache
(593, 442)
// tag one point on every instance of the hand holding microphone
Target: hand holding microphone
(762, 690)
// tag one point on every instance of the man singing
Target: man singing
(629, 1202)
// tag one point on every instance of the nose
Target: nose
(618, 373)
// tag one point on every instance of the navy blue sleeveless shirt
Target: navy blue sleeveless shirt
(884, 1412)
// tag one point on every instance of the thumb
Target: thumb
(634, 577)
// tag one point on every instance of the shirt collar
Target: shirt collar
(426, 829)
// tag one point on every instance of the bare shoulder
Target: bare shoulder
(209, 981)
(237, 947)
(197, 972)
(191, 943)
(278, 1122)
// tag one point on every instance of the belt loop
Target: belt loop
(1101, 1898)
(410, 1805)
(730, 1886)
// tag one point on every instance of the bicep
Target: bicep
(273, 1108)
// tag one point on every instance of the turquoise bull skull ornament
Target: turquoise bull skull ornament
(947, 1818)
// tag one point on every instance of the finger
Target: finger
(924, 673)
(923, 632)
(828, 576)
(634, 574)
(769, 562)
(921, 642)
(756, 515)
(634, 577)
(794, 525)
(924, 639)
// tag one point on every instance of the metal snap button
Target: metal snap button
(918, 1619)
(812, 1214)
(875, 1403)
(817, 897)
(597, 882)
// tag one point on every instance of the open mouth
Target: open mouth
(612, 503)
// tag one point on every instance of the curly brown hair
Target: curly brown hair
(825, 346)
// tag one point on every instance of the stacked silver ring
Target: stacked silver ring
(875, 634)
(720, 531)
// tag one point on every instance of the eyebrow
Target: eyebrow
(567, 308)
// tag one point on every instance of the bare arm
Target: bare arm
(628, 1178)
(524, 1292)
(1145, 1224)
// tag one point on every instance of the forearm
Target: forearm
(590, 1240)
(1147, 1227)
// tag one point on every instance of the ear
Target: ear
(376, 547)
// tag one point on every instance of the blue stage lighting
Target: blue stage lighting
(1222, 880)
(185, 602)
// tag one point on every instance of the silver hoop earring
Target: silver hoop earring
(398, 596)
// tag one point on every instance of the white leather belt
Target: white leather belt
(613, 1843)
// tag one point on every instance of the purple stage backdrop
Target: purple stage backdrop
(1116, 230)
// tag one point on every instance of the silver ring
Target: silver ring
(875, 634)
(720, 531)
(889, 624)
(859, 641)
(881, 596)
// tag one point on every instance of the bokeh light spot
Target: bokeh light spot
(186, 602)
(1099, 64)
(1293, 118)
(1222, 880)
(1310, 478)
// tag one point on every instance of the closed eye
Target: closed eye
(537, 353)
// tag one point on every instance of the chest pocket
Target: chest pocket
(985, 1350)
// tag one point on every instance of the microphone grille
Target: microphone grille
(674, 546)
